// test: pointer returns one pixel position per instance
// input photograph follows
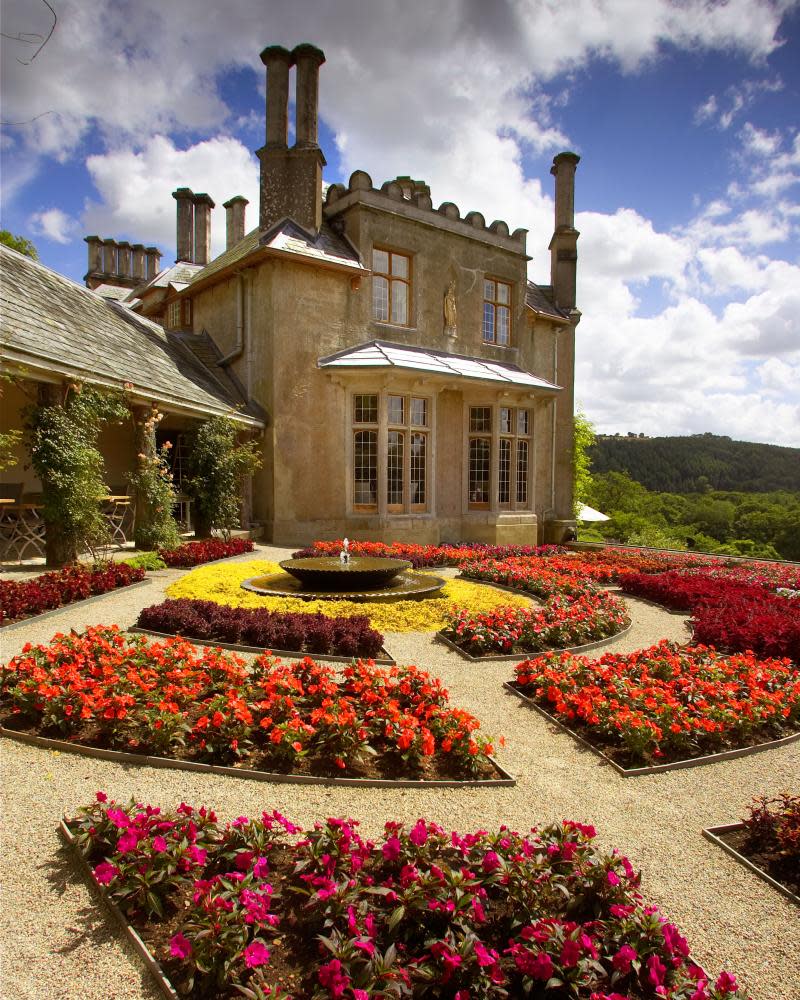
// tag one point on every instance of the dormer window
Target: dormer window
(391, 287)
(496, 312)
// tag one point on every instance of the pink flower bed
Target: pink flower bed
(22, 599)
(260, 908)
(195, 553)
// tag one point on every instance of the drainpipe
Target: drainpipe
(553, 441)
(237, 351)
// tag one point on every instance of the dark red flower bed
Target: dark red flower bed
(195, 553)
(22, 599)
(296, 631)
(770, 838)
(260, 908)
(767, 624)
(683, 591)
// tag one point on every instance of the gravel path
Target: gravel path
(58, 943)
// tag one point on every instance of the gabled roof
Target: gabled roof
(286, 238)
(51, 325)
(538, 298)
(382, 354)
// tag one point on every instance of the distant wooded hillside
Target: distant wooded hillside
(699, 463)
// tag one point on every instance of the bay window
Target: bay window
(498, 456)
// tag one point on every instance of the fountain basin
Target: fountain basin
(362, 580)
(321, 573)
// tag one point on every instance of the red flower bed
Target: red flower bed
(684, 591)
(296, 631)
(21, 599)
(106, 689)
(766, 624)
(427, 555)
(261, 908)
(563, 621)
(668, 702)
(194, 553)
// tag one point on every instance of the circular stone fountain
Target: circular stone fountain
(357, 579)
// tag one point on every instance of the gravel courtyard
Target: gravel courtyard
(59, 942)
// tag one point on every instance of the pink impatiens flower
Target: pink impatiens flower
(391, 849)
(726, 983)
(159, 844)
(105, 872)
(419, 833)
(613, 878)
(541, 967)
(256, 954)
(180, 946)
(570, 953)
(656, 970)
(623, 958)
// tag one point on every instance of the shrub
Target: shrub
(146, 560)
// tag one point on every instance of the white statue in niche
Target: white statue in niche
(450, 313)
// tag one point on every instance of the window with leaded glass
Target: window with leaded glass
(496, 312)
(391, 287)
(498, 457)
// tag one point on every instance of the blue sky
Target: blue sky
(684, 114)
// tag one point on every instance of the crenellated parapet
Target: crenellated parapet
(412, 198)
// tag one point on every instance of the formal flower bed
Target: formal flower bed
(22, 599)
(562, 622)
(310, 633)
(764, 623)
(260, 908)
(684, 591)
(221, 583)
(666, 703)
(542, 578)
(427, 555)
(106, 689)
(194, 553)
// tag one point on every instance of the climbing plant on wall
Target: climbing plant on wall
(61, 433)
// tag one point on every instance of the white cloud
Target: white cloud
(53, 224)
(722, 111)
(136, 188)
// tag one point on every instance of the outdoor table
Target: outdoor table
(22, 530)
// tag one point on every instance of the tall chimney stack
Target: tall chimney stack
(234, 220)
(564, 244)
(308, 60)
(153, 259)
(185, 232)
(291, 179)
(202, 228)
(137, 262)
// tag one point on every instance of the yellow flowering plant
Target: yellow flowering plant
(221, 583)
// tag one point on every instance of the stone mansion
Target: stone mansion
(405, 378)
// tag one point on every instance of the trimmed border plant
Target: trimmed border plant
(205, 550)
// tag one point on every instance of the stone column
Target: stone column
(202, 228)
(277, 60)
(308, 60)
(185, 224)
(234, 220)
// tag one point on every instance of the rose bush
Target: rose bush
(668, 702)
(104, 688)
(260, 908)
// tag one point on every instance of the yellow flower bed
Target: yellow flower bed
(220, 582)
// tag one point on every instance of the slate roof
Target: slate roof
(50, 323)
(287, 237)
(537, 297)
(382, 354)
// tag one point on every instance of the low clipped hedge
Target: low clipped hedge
(195, 553)
(24, 598)
(296, 631)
